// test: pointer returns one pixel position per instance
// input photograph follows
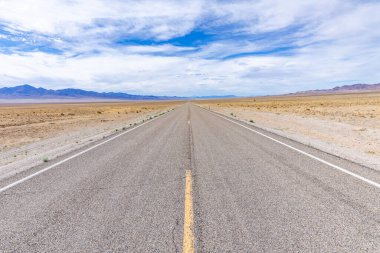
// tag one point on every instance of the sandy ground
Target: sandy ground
(343, 125)
(33, 133)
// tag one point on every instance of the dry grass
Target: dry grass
(347, 125)
(22, 124)
(362, 109)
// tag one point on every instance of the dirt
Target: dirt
(32, 134)
(347, 125)
(23, 124)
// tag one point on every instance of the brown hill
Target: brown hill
(354, 88)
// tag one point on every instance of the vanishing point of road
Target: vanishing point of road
(192, 181)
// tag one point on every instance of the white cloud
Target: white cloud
(335, 42)
(70, 18)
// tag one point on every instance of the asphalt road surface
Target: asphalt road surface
(192, 180)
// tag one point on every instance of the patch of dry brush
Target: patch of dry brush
(21, 124)
(364, 107)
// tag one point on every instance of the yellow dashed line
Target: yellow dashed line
(188, 235)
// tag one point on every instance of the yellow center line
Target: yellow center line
(188, 235)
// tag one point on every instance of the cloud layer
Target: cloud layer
(189, 47)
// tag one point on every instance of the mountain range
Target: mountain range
(342, 89)
(29, 92)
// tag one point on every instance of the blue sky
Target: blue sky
(189, 48)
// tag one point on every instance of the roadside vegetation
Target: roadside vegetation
(21, 124)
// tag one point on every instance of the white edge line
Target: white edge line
(71, 157)
(302, 152)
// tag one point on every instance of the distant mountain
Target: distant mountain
(28, 91)
(211, 97)
(342, 89)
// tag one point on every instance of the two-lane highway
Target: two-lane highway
(193, 180)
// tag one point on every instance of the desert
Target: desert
(32, 134)
(346, 125)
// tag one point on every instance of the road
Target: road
(192, 180)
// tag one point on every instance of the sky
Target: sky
(189, 48)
